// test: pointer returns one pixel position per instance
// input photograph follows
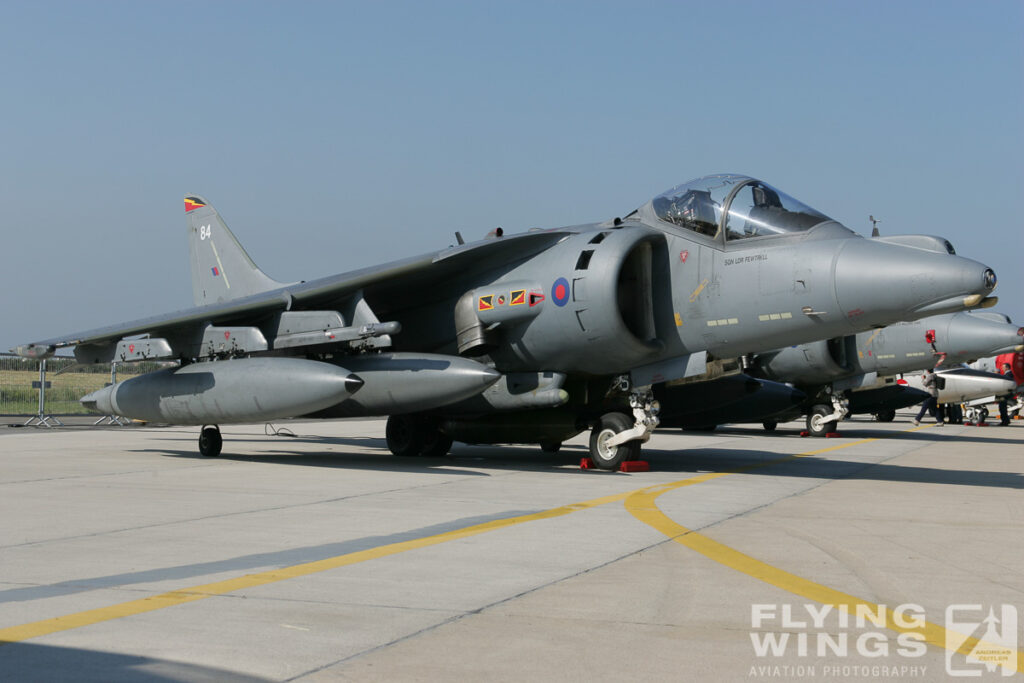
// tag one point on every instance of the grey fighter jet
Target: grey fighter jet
(528, 338)
(858, 373)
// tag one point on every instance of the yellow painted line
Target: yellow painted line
(15, 634)
(872, 337)
(641, 505)
(700, 288)
(36, 629)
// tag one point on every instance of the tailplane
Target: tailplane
(221, 270)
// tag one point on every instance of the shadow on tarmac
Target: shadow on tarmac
(459, 461)
(847, 431)
(33, 662)
(464, 459)
(812, 467)
(373, 454)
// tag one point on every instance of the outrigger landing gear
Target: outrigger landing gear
(616, 439)
(210, 441)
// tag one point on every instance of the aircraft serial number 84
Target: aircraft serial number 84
(528, 338)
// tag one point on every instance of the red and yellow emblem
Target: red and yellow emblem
(517, 297)
(486, 303)
(192, 203)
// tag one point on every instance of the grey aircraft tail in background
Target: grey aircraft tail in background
(528, 338)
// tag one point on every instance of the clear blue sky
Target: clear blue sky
(332, 136)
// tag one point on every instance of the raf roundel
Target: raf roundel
(560, 291)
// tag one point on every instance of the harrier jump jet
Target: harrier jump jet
(857, 373)
(528, 338)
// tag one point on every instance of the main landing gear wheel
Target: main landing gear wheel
(411, 435)
(885, 415)
(607, 457)
(436, 444)
(210, 442)
(816, 423)
(404, 435)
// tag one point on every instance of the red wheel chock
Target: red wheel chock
(626, 466)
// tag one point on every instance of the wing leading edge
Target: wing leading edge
(338, 292)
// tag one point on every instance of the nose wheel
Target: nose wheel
(823, 419)
(605, 455)
(210, 441)
(818, 422)
(616, 437)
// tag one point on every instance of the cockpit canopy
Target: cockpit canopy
(741, 206)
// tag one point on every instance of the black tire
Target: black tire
(984, 415)
(885, 415)
(210, 442)
(551, 447)
(814, 420)
(436, 444)
(605, 458)
(769, 425)
(404, 434)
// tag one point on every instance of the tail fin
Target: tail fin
(221, 270)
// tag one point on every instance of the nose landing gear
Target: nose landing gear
(616, 438)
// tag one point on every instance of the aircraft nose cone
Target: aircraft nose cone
(974, 337)
(990, 279)
(881, 283)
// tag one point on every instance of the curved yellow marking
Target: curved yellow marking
(15, 634)
(641, 505)
(639, 502)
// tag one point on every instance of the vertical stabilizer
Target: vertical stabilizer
(221, 270)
